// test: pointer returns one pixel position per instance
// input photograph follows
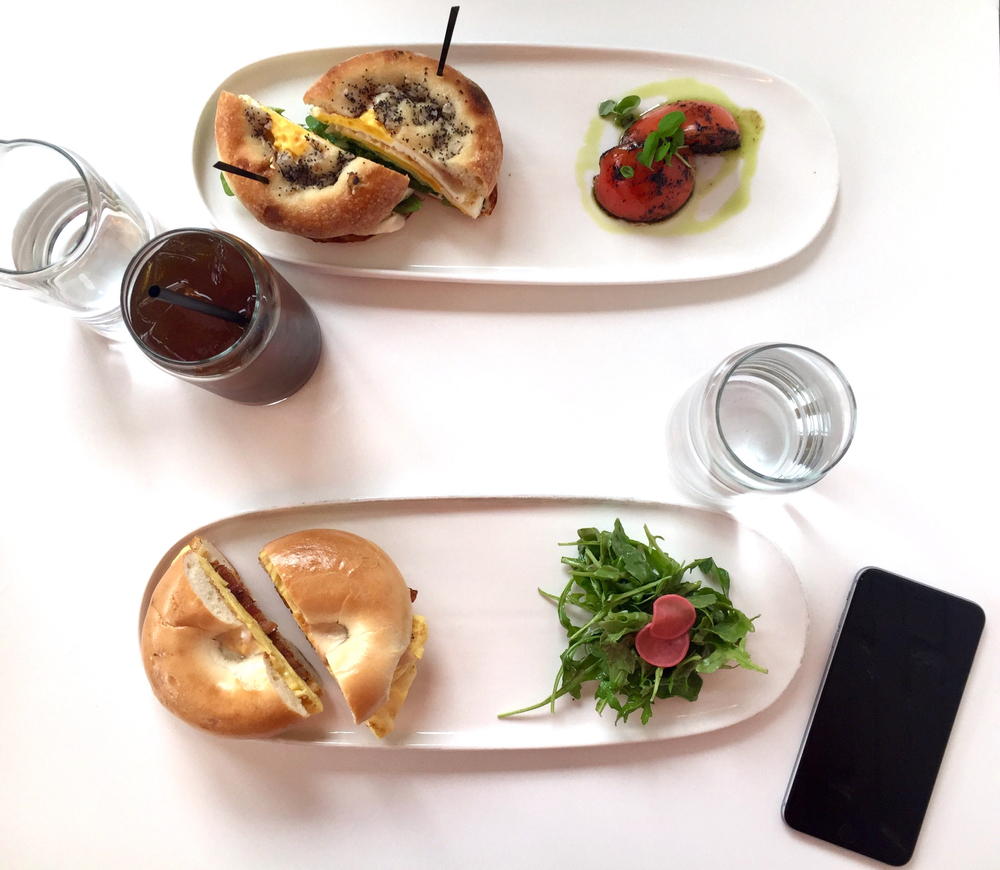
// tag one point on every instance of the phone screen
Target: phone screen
(881, 722)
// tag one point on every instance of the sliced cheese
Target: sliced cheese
(364, 123)
(371, 128)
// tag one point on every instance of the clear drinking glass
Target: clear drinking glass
(261, 360)
(66, 233)
(768, 418)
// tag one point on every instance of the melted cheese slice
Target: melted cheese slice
(370, 126)
(365, 123)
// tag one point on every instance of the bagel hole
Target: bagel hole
(236, 644)
(327, 635)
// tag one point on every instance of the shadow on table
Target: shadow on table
(297, 777)
(550, 298)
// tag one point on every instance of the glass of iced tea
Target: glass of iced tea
(240, 330)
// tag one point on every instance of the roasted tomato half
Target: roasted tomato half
(708, 128)
(650, 194)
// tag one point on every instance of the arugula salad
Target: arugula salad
(633, 603)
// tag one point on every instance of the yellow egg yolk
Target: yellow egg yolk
(286, 136)
(368, 123)
(365, 123)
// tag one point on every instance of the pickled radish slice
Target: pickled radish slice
(661, 653)
(672, 615)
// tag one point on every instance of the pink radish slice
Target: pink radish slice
(658, 652)
(672, 615)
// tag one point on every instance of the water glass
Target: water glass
(768, 418)
(66, 233)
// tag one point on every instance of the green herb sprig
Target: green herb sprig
(661, 144)
(664, 141)
(615, 580)
(621, 112)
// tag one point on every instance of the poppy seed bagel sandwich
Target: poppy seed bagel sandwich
(213, 658)
(314, 189)
(351, 601)
(441, 130)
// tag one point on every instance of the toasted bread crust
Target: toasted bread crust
(206, 668)
(326, 194)
(444, 124)
(352, 603)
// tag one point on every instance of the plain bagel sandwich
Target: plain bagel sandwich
(354, 606)
(441, 130)
(213, 658)
(314, 188)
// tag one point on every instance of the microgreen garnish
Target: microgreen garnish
(277, 111)
(621, 112)
(663, 142)
(615, 580)
(225, 185)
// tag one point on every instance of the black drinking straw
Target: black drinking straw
(246, 173)
(172, 297)
(447, 39)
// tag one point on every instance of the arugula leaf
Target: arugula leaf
(225, 185)
(615, 580)
(409, 205)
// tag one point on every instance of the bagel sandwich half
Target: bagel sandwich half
(314, 188)
(213, 658)
(441, 130)
(355, 608)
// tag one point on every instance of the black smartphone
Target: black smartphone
(881, 721)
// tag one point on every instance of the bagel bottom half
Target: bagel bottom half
(213, 659)
(354, 606)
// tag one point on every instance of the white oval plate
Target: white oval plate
(545, 98)
(494, 641)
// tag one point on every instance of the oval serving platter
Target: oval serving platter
(477, 564)
(541, 232)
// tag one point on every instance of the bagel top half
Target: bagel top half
(213, 659)
(351, 601)
(314, 189)
(440, 129)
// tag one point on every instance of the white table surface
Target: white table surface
(435, 389)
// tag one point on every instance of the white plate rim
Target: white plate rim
(412, 504)
(534, 274)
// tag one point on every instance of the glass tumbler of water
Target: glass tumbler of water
(769, 418)
(66, 234)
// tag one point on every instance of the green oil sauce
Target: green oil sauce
(696, 216)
